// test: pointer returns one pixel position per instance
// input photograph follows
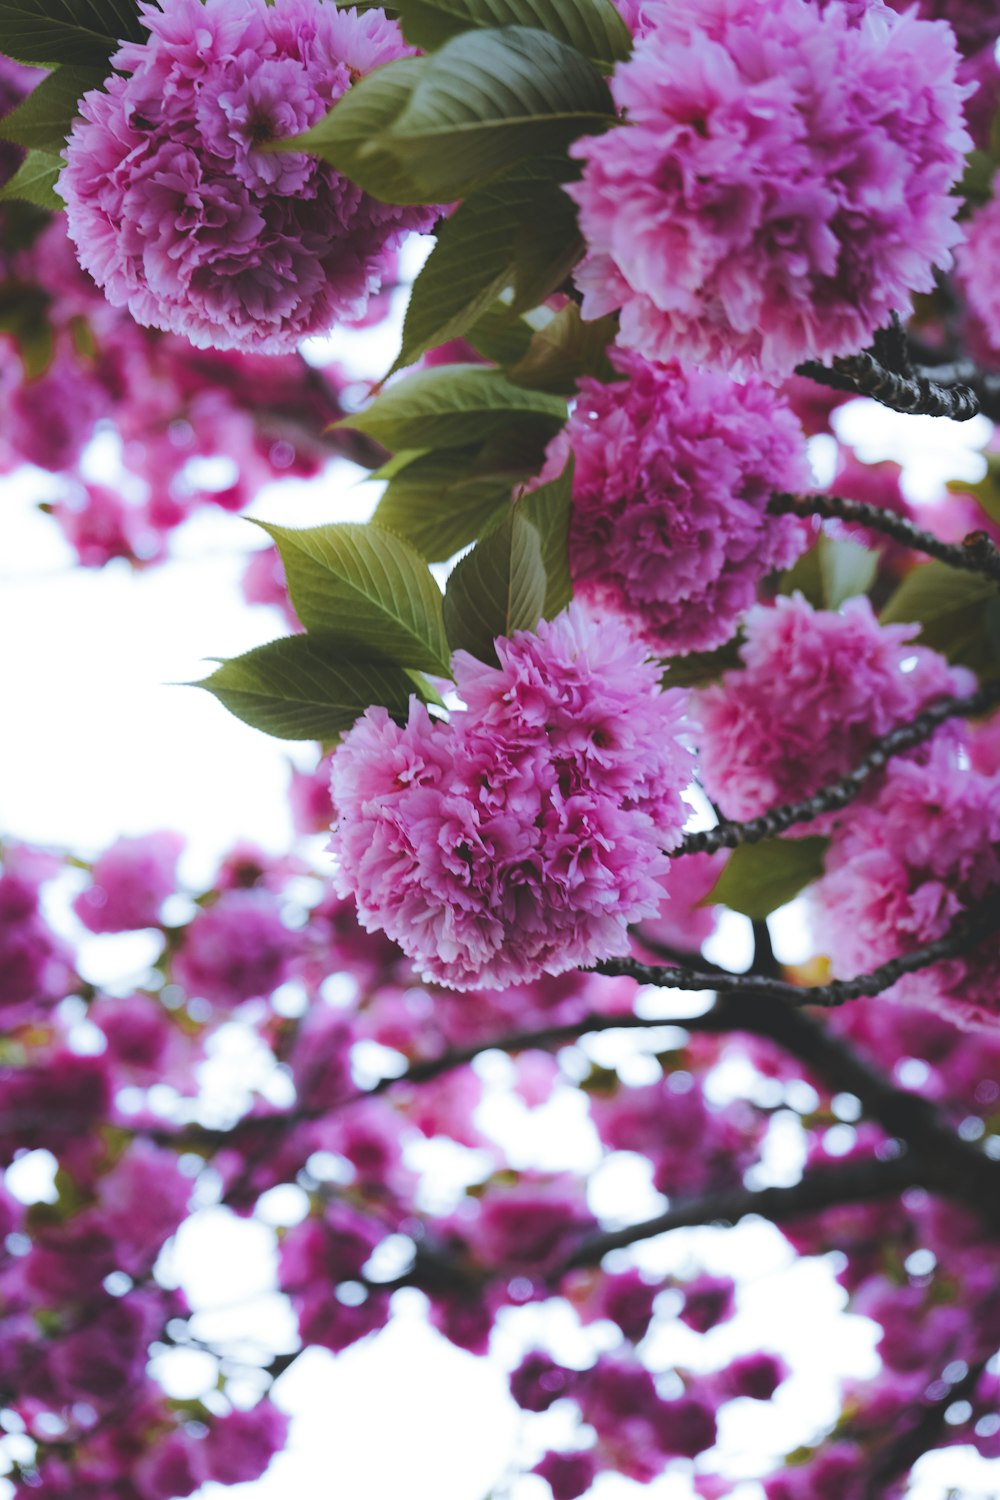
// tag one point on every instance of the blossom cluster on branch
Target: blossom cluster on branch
(610, 676)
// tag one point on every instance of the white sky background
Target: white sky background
(95, 743)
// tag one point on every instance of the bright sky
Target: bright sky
(98, 743)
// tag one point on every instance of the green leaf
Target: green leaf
(833, 570)
(307, 687)
(24, 315)
(355, 136)
(81, 32)
(35, 181)
(44, 119)
(368, 587)
(593, 27)
(566, 349)
(957, 614)
(500, 336)
(848, 569)
(549, 509)
(441, 504)
(545, 252)
(490, 243)
(758, 878)
(433, 129)
(453, 406)
(699, 668)
(499, 587)
(986, 490)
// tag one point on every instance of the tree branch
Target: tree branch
(914, 393)
(729, 835)
(969, 930)
(896, 1457)
(824, 1187)
(976, 554)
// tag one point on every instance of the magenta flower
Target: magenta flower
(816, 690)
(783, 184)
(237, 949)
(903, 869)
(977, 260)
(525, 836)
(178, 213)
(674, 470)
(130, 882)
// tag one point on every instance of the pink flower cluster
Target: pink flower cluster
(674, 470)
(180, 413)
(903, 869)
(236, 949)
(816, 690)
(524, 836)
(129, 883)
(35, 965)
(976, 260)
(179, 213)
(783, 184)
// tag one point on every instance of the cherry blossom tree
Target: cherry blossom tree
(608, 668)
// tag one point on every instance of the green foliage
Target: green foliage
(499, 587)
(518, 233)
(500, 335)
(367, 588)
(433, 129)
(454, 406)
(35, 181)
(24, 315)
(758, 878)
(81, 32)
(307, 688)
(985, 490)
(564, 350)
(834, 570)
(699, 668)
(43, 120)
(548, 509)
(443, 501)
(593, 27)
(958, 614)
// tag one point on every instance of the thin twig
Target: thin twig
(966, 933)
(729, 835)
(896, 1457)
(976, 554)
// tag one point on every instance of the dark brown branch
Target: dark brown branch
(969, 930)
(976, 554)
(896, 1457)
(984, 383)
(729, 835)
(913, 393)
(824, 1187)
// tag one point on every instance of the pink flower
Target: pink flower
(178, 213)
(975, 259)
(682, 921)
(527, 1225)
(674, 470)
(239, 1446)
(783, 184)
(903, 869)
(236, 949)
(817, 689)
(524, 836)
(976, 23)
(35, 968)
(129, 883)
